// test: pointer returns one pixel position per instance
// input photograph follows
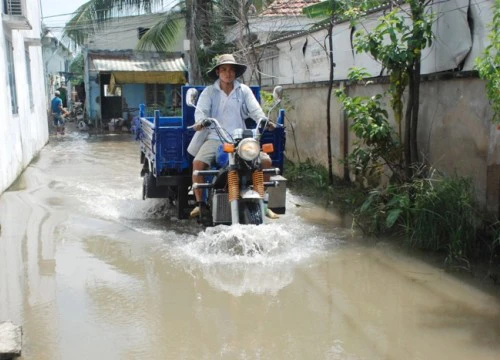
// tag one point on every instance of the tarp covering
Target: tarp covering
(143, 68)
(129, 63)
(148, 77)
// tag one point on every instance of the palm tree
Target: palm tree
(91, 15)
(199, 17)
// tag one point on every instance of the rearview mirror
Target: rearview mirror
(191, 97)
(277, 93)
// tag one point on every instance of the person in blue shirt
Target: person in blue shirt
(57, 113)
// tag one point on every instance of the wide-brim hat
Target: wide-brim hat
(227, 59)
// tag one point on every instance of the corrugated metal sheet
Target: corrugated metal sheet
(117, 64)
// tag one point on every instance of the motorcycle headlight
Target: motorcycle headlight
(248, 149)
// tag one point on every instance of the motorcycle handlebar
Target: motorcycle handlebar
(266, 121)
(207, 122)
(203, 123)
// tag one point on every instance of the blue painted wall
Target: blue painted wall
(94, 98)
(133, 94)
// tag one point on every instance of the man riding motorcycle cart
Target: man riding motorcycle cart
(230, 102)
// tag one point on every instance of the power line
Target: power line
(58, 15)
(170, 4)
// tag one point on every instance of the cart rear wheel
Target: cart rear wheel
(150, 189)
(182, 202)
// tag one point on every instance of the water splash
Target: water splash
(243, 259)
(253, 244)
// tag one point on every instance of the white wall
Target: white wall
(455, 46)
(55, 59)
(121, 33)
(23, 134)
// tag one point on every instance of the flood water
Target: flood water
(92, 271)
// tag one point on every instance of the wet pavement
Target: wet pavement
(92, 271)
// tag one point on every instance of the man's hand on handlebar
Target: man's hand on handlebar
(197, 127)
(271, 126)
(202, 124)
(268, 125)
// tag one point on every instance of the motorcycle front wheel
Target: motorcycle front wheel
(250, 213)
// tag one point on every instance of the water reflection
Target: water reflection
(255, 279)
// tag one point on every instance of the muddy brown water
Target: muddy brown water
(91, 271)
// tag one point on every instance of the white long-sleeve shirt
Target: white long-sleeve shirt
(229, 110)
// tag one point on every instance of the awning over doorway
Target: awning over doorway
(127, 67)
(148, 77)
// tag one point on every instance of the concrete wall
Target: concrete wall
(121, 33)
(25, 133)
(455, 134)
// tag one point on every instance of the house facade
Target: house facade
(280, 19)
(56, 61)
(23, 106)
(119, 78)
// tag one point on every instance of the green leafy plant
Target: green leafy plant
(266, 99)
(312, 179)
(377, 145)
(77, 69)
(489, 64)
(442, 216)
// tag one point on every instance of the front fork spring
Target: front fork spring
(233, 184)
(258, 182)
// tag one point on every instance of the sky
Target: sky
(57, 12)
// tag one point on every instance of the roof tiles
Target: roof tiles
(287, 7)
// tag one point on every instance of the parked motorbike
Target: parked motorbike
(76, 113)
(235, 194)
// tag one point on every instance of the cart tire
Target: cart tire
(149, 188)
(182, 202)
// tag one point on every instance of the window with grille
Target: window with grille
(11, 76)
(166, 98)
(155, 95)
(13, 7)
(28, 77)
(14, 15)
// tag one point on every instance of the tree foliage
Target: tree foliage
(396, 42)
(205, 22)
(489, 64)
(162, 35)
(77, 67)
(91, 15)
